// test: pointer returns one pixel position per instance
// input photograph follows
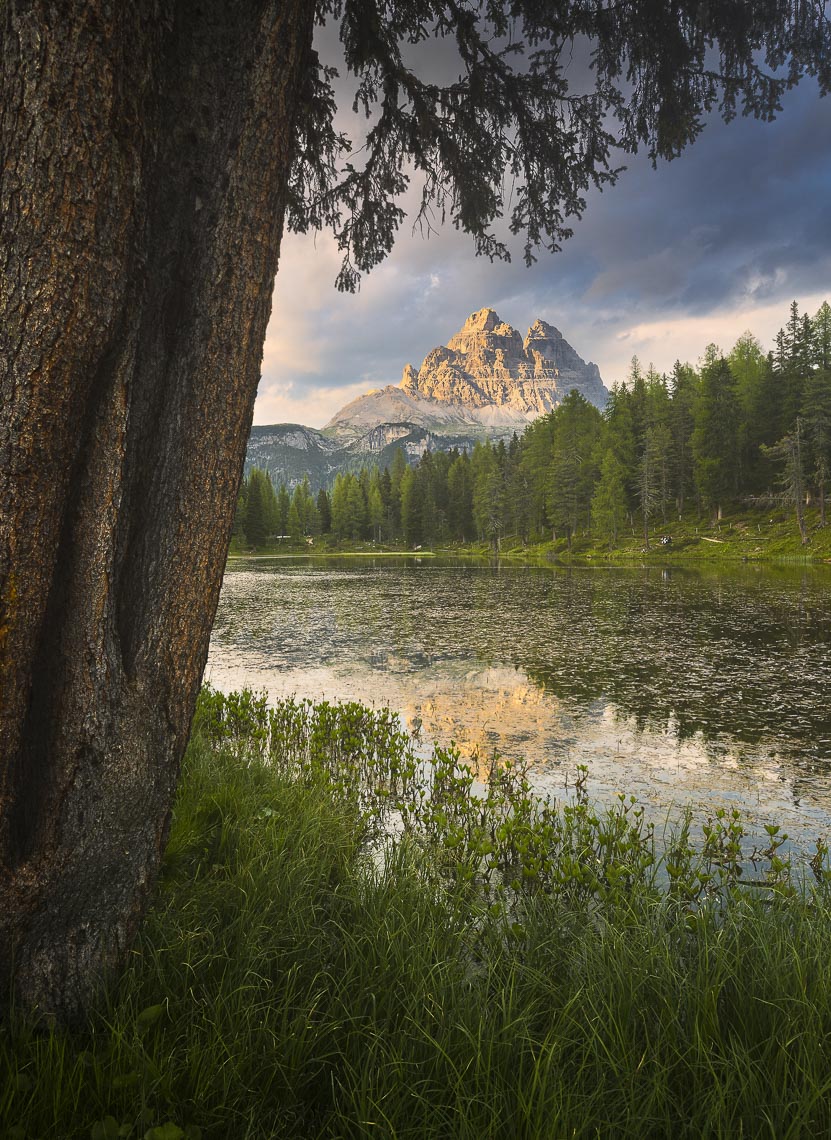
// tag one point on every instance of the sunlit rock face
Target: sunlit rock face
(486, 377)
(486, 382)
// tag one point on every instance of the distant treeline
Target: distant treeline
(745, 427)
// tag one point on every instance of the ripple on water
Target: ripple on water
(694, 688)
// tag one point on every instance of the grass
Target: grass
(326, 546)
(345, 945)
(741, 535)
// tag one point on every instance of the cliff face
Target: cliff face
(485, 382)
(290, 452)
(487, 362)
(486, 376)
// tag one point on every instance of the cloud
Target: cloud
(699, 250)
(313, 407)
(663, 341)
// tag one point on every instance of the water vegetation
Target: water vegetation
(349, 942)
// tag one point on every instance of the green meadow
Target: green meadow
(347, 942)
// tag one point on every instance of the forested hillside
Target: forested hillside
(748, 427)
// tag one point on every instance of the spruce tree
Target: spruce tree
(684, 388)
(577, 426)
(816, 416)
(788, 451)
(295, 526)
(324, 511)
(460, 499)
(535, 463)
(621, 436)
(283, 504)
(356, 508)
(715, 436)
(757, 419)
(257, 513)
(821, 338)
(340, 513)
(140, 263)
(375, 506)
(659, 432)
(410, 508)
(608, 504)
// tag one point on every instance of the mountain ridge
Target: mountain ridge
(487, 382)
(486, 376)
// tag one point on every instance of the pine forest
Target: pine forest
(748, 428)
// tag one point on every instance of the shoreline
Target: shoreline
(740, 537)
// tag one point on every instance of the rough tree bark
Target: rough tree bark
(144, 154)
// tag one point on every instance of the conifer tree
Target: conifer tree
(757, 415)
(410, 508)
(295, 526)
(261, 508)
(658, 429)
(356, 508)
(283, 505)
(609, 499)
(817, 421)
(141, 260)
(621, 437)
(489, 507)
(684, 387)
(576, 429)
(324, 511)
(397, 469)
(340, 518)
(789, 451)
(537, 454)
(460, 499)
(303, 504)
(715, 436)
(821, 338)
(375, 506)
(391, 506)
(794, 353)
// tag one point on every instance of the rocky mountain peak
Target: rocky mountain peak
(486, 375)
(485, 332)
(542, 330)
(483, 320)
(547, 346)
(487, 363)
(409, 380)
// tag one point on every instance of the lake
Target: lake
(680, 687)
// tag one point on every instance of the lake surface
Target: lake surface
(677, 686)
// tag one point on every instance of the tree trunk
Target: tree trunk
(797, 480)
(822, 499)
(144, 156)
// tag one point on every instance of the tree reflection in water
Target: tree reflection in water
(681, 685)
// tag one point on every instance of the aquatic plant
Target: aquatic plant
(349, 940)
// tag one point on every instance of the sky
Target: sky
(709, 246)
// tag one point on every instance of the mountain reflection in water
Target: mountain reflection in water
(677, 686)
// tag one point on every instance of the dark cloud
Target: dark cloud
(735, 227)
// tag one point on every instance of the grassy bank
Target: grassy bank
(499, 968)
(744, 535)
(739, 536)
